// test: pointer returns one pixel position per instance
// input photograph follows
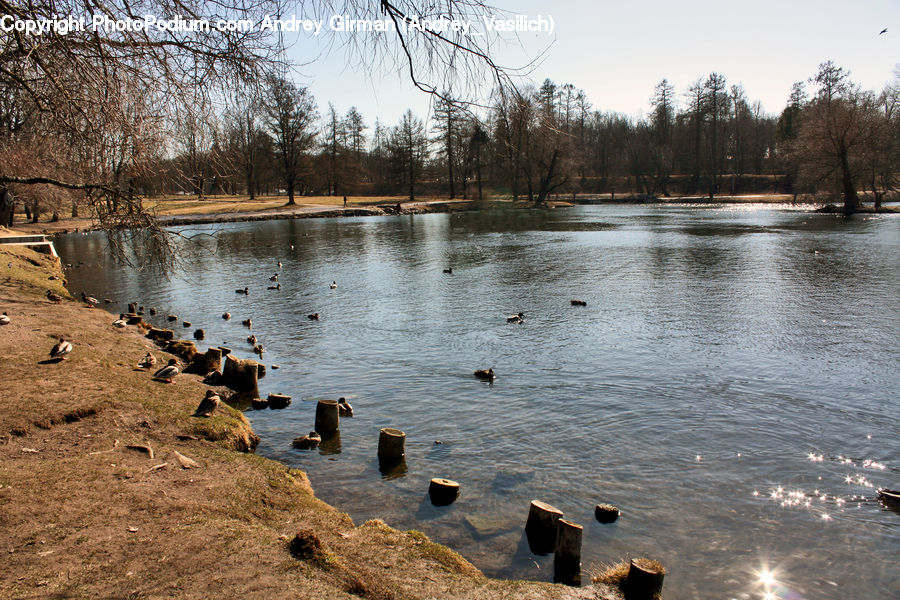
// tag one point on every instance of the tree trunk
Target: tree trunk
(7, 207)
(851, 199)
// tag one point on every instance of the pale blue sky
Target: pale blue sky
(618, 51)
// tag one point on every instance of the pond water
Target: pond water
(732, 384)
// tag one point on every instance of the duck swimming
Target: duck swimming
(517, 319)
(307, 442)
(344, 408)
(486, 374)
(244, 291)
(247, 323)
(333, 285)
(313, 317)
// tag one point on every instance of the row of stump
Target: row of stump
(546, 530)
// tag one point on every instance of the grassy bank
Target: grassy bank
(95, 500)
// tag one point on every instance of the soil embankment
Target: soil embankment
(109, 488)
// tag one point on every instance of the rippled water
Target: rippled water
(732, 384)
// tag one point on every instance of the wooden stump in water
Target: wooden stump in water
(567, 560)
(260, 371)
(259, 403)
(240, 375)
(199, 334)
(278, 401)
(206, 363)
(327, 417)
(644, 580)
(133, 319)
(132, 307)
(391, 443)
(443, 491)
(606, 513)
(541, 526)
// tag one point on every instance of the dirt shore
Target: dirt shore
(97, 501)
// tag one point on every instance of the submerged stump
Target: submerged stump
(644, 580)
(606, 513)
(567, 559)
(240, 375)
(391, 443)
(327, 416)
(205, 363)
(278, 401)
(541, 526)
(443, 491)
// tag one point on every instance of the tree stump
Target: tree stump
(240, 375)
(133, 319)
(567, 560)
(541, 526)
(644, 580)
(443, 491)
(606, 513)
(184, 350)
(206, 363)
(391, 443)
(327, 418)
(225, 351)
(278, 401)
(259, 403)
(199, 334)
(260, 370)
(132, 307)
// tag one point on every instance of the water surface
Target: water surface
(732, 384)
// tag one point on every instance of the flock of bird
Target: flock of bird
(168, 372)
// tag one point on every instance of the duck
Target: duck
(279, 264)
(307, 442)
(4, 319)
(54, 297)
(313, 317)
(120, 322)
(344, 408)
(226, 316)
(274, 277)
(168, 372)
(258, 348)
(448, 270)
(275, 287)
(147, 362)
(244, 291)
(152, 311)
(61, 350)
(333, 285)
(517, 319)
(208, 405)
(251, 339)
(486, 374)
(292, 246)
(577, 302)
(247, 323)
(89, 300)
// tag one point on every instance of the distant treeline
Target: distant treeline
(531, 143)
